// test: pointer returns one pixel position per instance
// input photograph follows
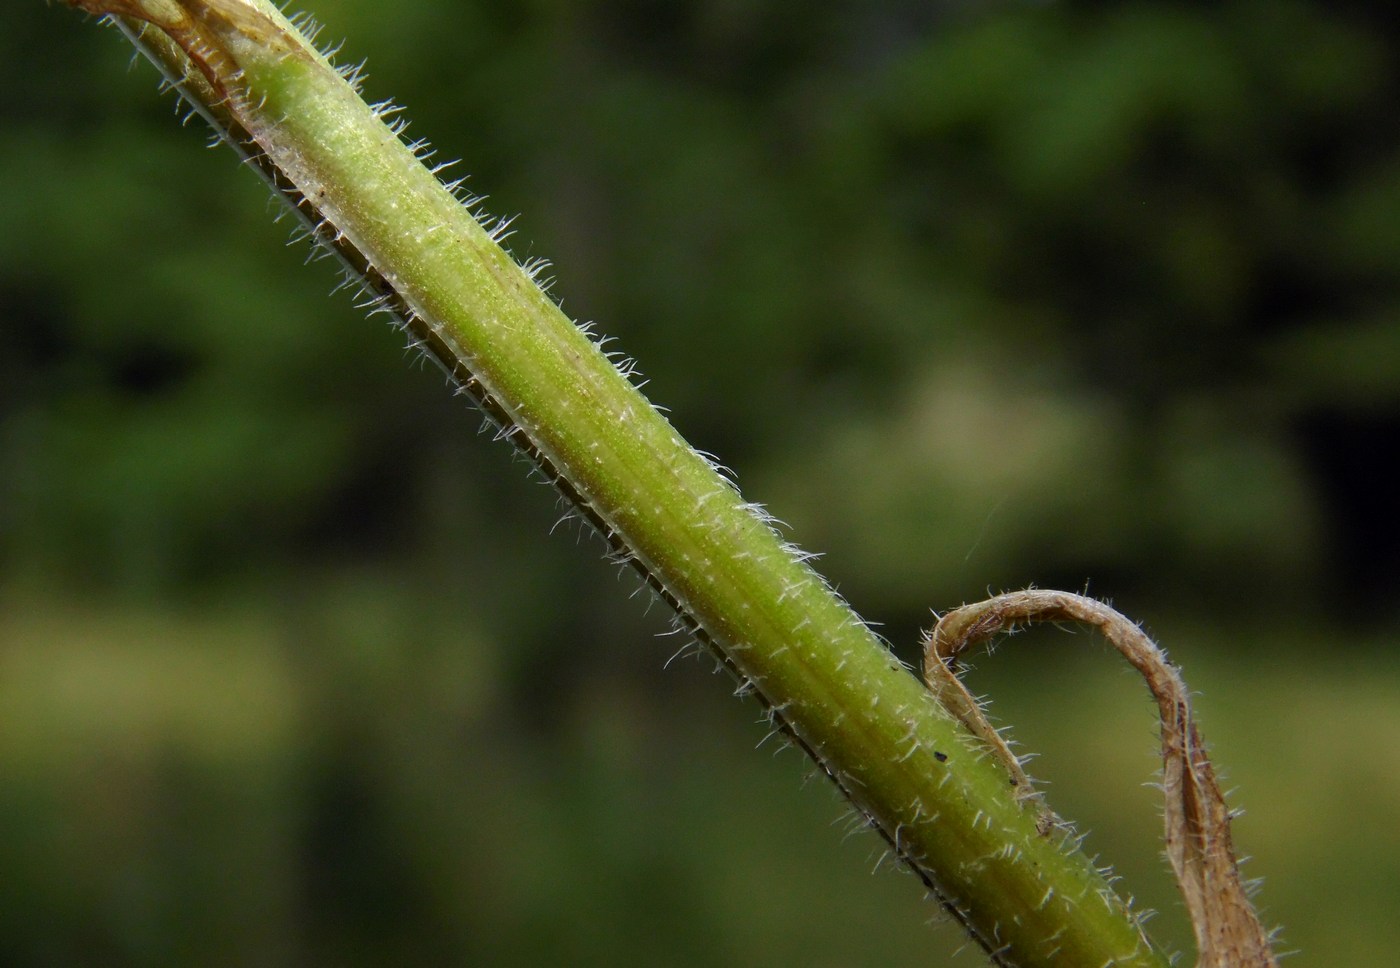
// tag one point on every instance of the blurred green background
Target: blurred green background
(972, 295)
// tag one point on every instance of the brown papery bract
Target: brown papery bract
(1228, 931)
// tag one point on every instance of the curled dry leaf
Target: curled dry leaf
(1228, 931)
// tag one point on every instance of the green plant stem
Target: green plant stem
(946, 808)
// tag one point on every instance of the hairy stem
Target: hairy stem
(943, 805)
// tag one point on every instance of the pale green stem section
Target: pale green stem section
(947, 809)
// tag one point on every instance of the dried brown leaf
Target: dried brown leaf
(1198, 845)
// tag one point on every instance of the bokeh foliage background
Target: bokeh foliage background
(974, 296)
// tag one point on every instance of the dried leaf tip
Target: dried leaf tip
(1228, 931)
